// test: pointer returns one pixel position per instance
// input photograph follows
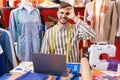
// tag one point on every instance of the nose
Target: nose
(64, 15)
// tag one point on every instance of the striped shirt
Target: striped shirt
(80, 30)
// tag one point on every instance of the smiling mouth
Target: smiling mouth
(64, 19)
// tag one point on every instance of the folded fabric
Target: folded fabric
(112, 66)
(5, 76)
(75, 69)
(74, 66)
(32, 76)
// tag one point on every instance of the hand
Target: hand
(72, 14)
(68, 13)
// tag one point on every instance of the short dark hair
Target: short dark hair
(64, 5)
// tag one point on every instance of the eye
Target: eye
(61, 12)
(67, 13)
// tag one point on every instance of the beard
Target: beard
(63, 20)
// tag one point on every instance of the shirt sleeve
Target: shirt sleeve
(40, 29)
(84, 31)
(12, 26)
(45, 43)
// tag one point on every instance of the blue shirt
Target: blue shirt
(28, 31)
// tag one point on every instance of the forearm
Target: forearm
(84, 30)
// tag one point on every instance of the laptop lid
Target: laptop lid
(50, 64)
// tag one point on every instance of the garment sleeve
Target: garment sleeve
(12, 25)
(40, 28)
(85, 14)
(84, 31)
(114, 18)
(118, 20)
(10, 53)
(85, 43)
(45, 43)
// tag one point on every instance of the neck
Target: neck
(25, 3)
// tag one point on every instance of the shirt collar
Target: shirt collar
(22, 7)
(64, 28)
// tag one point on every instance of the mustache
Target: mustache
(63, 18)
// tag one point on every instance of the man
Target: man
(63, 38)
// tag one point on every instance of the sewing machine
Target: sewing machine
(98, 49)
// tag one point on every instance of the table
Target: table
(23, 68)
(29, 66)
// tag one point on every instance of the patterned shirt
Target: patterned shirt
(80, 30)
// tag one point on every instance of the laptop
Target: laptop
(50, 64)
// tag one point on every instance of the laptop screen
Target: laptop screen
(49, 63)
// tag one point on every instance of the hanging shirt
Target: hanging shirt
(118, 10)
(107, 19)
(79, 31)
(7, 57)
(28, 31)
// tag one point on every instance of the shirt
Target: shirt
(7, 57)
(28, 31)
(118, 23)
(79, 31)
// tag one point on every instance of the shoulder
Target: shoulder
(4, 32)
(111, 1)
(111, 4)
(35, 9)
(49, 30)
(14, 10)
(89, 4)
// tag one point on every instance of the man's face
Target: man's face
(63, 15)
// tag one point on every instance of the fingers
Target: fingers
(72, 13)
(69, 8)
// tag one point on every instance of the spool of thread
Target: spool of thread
(85, 69)
(96, 72)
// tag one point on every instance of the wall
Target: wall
(2, 3)
(46, 11)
